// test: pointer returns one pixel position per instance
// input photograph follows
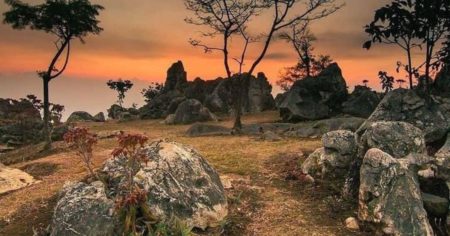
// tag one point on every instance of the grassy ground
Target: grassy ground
(262, 200)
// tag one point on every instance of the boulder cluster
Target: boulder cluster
(179, 183)
(182, 101)
(324, 96)
(396, 164)
(21, 124)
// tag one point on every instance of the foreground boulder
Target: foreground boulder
(190, 111)
(315, 98)
(179, 183)
(84, 209)
(390, 198)
(407, 106)
(361, 103)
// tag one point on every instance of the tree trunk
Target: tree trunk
(47, 138)
(410, 72)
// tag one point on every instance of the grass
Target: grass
(261, 201)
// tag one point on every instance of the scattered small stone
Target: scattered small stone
(351, 223)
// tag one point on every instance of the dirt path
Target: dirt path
(262, 201)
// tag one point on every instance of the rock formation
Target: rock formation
(190, 111)
(361, 103)
(315, 98)
(179, 182)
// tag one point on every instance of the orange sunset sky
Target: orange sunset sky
(142, 38)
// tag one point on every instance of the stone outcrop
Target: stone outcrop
(190, 111)
(100, 117)
(176, 77)
(178, 181)
(216, 94)
(389, 196)
(315, 98)
(406, 105)
(361, 103)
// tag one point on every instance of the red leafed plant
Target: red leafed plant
(131, 204)
(82, 142)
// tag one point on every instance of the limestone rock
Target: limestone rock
(389, 196)
(315, 98)
(407, 106)
(191, 111)
(100, 117)
(80, 116)
(351, 223)
(361, 103)
(398, 139)
(83, 209)
(179, 182)
(13, 179)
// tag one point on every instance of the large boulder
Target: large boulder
(220, 99)
(157, 108)
(443, 161)
(389, 196)
(314, 98)
(100, 117)
(190, 111)
(361, 103)
(13, 179)
(406, 105)
(84, 209)
(176, 77)
(180, 183)
(80, 116)
(398, 139)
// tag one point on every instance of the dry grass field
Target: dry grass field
(263, 199)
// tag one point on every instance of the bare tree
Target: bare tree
(230, 18)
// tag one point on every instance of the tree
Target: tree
(64, 19)
(400, 82)
(293, 73)
(387, 82)
(121, 86)
(365, 82)
(432, 17)
(230, 18)
(153, 90)
(395, 24)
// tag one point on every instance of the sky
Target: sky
(142, 38)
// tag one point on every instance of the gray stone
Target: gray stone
(389, 196)
(199, 130)
(180, 183)
(176, 77)
(361, 103)
(407, 106)
(443, 160)
(270, 136)
(317, 128)
(313, 165)
(315, 98)
(83, 209)
(191, 111)
(100, 117)
(398, 139)
(80, 116)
